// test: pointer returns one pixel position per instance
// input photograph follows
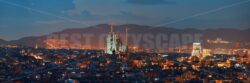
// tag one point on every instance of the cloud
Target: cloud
(83, 15)
(150, 2)
(73, 12)
(87, 16)
(97, 7)
(127, 16)
(51, 22)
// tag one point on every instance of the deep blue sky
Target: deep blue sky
(20, 18)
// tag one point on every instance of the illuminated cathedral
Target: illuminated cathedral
(114, 44)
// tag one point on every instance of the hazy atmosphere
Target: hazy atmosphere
(21, 18)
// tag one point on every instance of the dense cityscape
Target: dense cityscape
(44, 65)
(120, 62)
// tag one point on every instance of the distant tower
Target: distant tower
(197, 50)
(36, 47)
(126, 36)
(126, 41)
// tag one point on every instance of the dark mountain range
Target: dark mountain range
(2, 41)
(232, 35)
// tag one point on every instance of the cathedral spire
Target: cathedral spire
(111, 27)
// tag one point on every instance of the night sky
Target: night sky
(20, 18)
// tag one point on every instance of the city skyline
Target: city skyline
(124, 41)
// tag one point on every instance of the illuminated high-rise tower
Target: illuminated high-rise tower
(197, 50)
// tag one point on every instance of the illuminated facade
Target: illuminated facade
(114, 43)
(218, 41)
(197, 51)
(206, 52)
(56, 43)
